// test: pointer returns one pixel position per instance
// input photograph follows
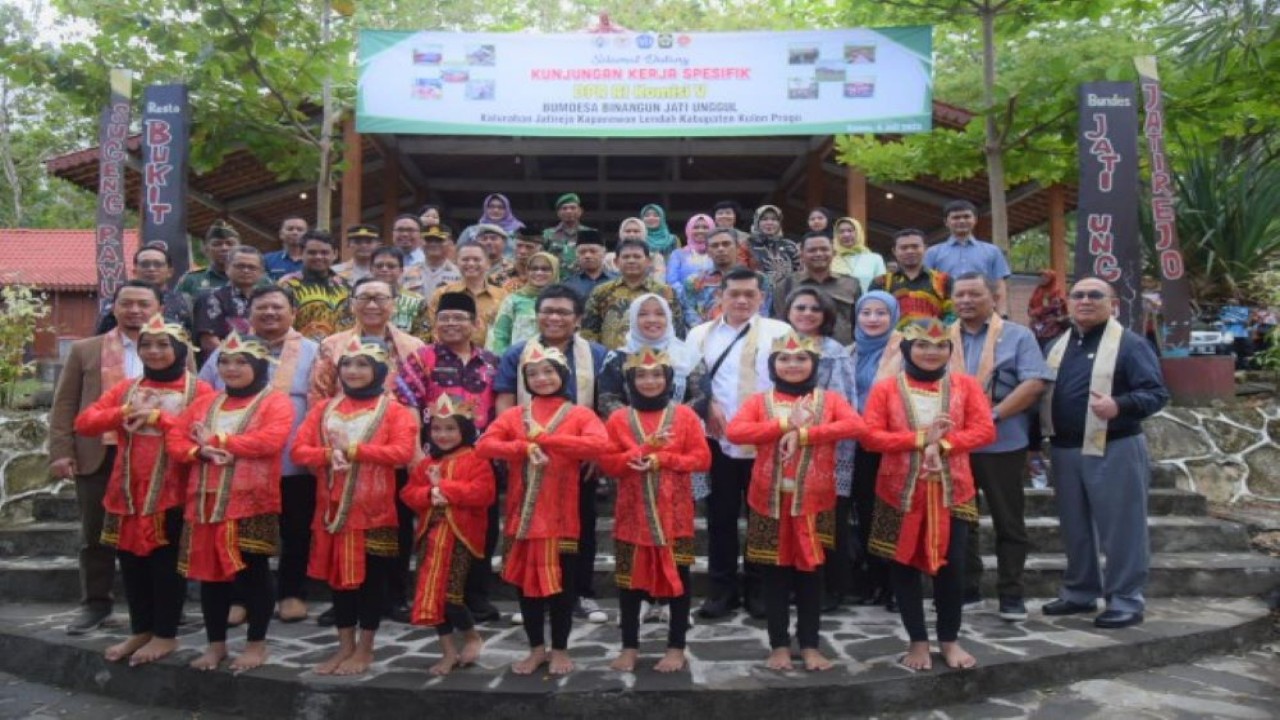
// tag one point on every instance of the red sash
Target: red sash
(533, 565)
(141, 534)
(337, 558)
(214, 552)
(926, 531)
(653, 569)
(432, 589)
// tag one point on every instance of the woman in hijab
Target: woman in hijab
(771, 253)
(355, 442)
(876, 355)
(661, 241)
(517, 318)
(820, 220)
(650, 326)
(691, 259)
(144, 494)
(497, 211)
(925, 421)
(853, 257)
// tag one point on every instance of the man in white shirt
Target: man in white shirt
(735, 348)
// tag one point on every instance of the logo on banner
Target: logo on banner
(644, 42)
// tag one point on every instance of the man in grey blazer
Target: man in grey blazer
(93, 365)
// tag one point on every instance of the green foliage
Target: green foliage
(21, 310)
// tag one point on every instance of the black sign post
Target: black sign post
(165, 139)
(1107, 239)
(113, 149)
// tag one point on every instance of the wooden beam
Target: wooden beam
(855, 196)
(583, 187)
(815, 183)
(219, 207)
(352, 182)
(1058, 230)
(390, 189)
(698, 147)
(263, 197)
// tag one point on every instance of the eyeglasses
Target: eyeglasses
(556, 312)
(151, 265)
(807, 308)
(1094, 295)
(371, 299)
(387, 266)
(452, 318)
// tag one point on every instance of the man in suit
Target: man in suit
(94, 365)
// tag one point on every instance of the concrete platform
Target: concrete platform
(726, 676)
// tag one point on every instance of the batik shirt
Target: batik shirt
(322, 306)
(608, 310)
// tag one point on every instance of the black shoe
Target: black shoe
(717, 607)
(1061, 607)
(1116, 619)
(485, 612)
(1012, 608)
(756, 608)
(88, 619)
(400, 613)
(327, 618)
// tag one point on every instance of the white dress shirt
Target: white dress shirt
(132, 363)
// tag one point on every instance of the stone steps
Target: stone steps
(40, 539)
(55, 508)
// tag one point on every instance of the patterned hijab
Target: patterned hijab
(508, 222)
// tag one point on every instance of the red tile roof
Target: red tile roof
(53, 259)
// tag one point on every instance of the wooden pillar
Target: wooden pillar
(855, 199)
(815, 185)
(1058, 231)
(390, 190)
(352, 182)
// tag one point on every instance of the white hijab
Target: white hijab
(683, 360)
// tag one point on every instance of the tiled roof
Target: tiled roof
(53, 259)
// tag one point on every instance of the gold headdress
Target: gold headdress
(236, 344)
(157, 326)
(647, 357)
(446, 406)
(793, 342)
(357, 347)
(930, 330)
(360, 231)
(535, 352)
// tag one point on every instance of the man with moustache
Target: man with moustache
(288, 259)
(153, 266)
(920, 291)
(321, 295)
(816, 253)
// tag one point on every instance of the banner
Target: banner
(165, 136)
(1107, 240)
(113, 149)
(1175, 289)
(644, 84)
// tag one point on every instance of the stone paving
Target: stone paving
(724, 656)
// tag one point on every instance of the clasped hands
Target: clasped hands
(203, 437)
(933, 435)
(800, 418)
(139, 410)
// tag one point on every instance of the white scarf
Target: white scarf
(1104, 371)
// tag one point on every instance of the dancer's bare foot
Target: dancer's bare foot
(236, 616)
(561, 663)
(357, 664)
(779, 659)
(292, 610)
(917, 657)
(155, 649)
(254, 655)
(211, 658)
(956, 657)
(672, 661)
(626, 660)
(814, 661)
(472, 644)
(126, 647)
(530, 664)
(446, 665)
(346, 646)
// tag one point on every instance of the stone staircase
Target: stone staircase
(1194, 554)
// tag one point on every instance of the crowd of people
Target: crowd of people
(391, 424)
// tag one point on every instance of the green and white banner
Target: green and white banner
(646, 84)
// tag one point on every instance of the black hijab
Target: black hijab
(468, 428)
(375, 388)
(915, 372)
(561, 370)
(174, 371)
(261, 371)
(797, 389)
(640, 402)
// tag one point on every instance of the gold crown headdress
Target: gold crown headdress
(358, 347)
(236, 344)
(446, 406)
(794, 342)
(362, 232)
(535, 352)
(157, 326)
(647, 357)
(930, 330)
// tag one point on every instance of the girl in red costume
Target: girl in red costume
(145, 493)
(451, 490)
(656, 444)
(792, 497)
(235, 443)
(355, 442)
(543, 445)
(925, 421)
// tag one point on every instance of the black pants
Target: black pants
(999, 477)
(779, 583)
(948, 590)
(153, 587)
(254, 581)
(837, 572)
(399, 580)
(480, 575)
(456, 617)
(873, 572)
(366, 603)
(629, 616)
(588, 513)
(729, 478)
(560, 607)
(97, 561)
(297, 509)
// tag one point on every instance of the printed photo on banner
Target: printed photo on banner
(830, 71)
(861, 86)
(860, 54)
(802, 54)
(428, 55)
